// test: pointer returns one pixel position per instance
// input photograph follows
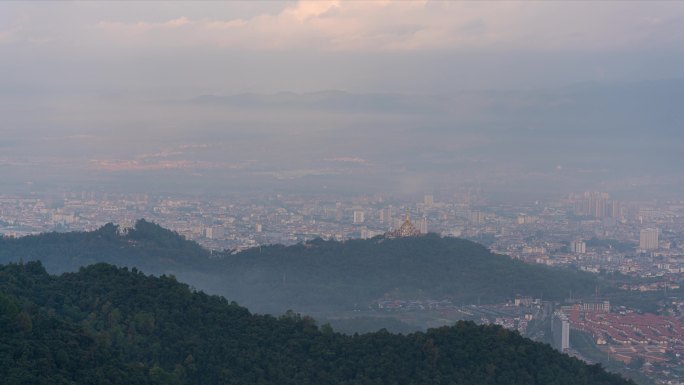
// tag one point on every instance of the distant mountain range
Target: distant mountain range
(599, 109)
(620, 137)
(333, 100)
(316, 275)
(106, 325)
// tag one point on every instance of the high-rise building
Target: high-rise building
(615, 210)
(428, 200)
(648, 239)
(476, 217)
(578, 247)
(598, 205)
(561, 331)
(423, 226)
(358, 216)
(593, 204)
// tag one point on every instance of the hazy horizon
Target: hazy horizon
(403, 97)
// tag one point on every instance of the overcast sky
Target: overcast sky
(401, 46)
(496, 86)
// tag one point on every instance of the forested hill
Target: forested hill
(314, 275)
(147, 246)
(358, 271)
(108, 325)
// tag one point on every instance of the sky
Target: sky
(380, 95)
(373, 46)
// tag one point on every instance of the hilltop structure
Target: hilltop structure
(407, 229)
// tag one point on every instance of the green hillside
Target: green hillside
(355, 272)
(318, 275)
(147, 246)
(107, 325)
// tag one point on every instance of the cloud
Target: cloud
(129, 30)
(420, 25)
(347, 159)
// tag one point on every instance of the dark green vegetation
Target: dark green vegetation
(325, 275)
(147, 246)
(368, 324)
(356, 272)
(107, 325)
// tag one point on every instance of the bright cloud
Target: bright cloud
(420, 25)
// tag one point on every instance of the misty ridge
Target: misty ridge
(586, 107)
(313, 276)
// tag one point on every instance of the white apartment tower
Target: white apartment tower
(423, 226)
(561, 331)
(648, 239)
(358, 216)
(578, 247)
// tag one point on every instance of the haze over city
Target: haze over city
(390, 97)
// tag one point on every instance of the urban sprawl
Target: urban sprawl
(589, 231)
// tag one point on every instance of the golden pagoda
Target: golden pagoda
(407, 229)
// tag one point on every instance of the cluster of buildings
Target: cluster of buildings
(513, 323)
(513, 315)
(655, 339)
(218, 223)
(637, 238)
(589, 231)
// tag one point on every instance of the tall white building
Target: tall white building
(358, 216)
(648, 239)
(615, 210)
(213, 232)
(578, 247)
(476, 217)
(428, 200)
(561, 331)
(423, 226)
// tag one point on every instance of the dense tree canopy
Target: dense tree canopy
(311, 276)
(109, 325)
(356, 272)
(147, 246)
